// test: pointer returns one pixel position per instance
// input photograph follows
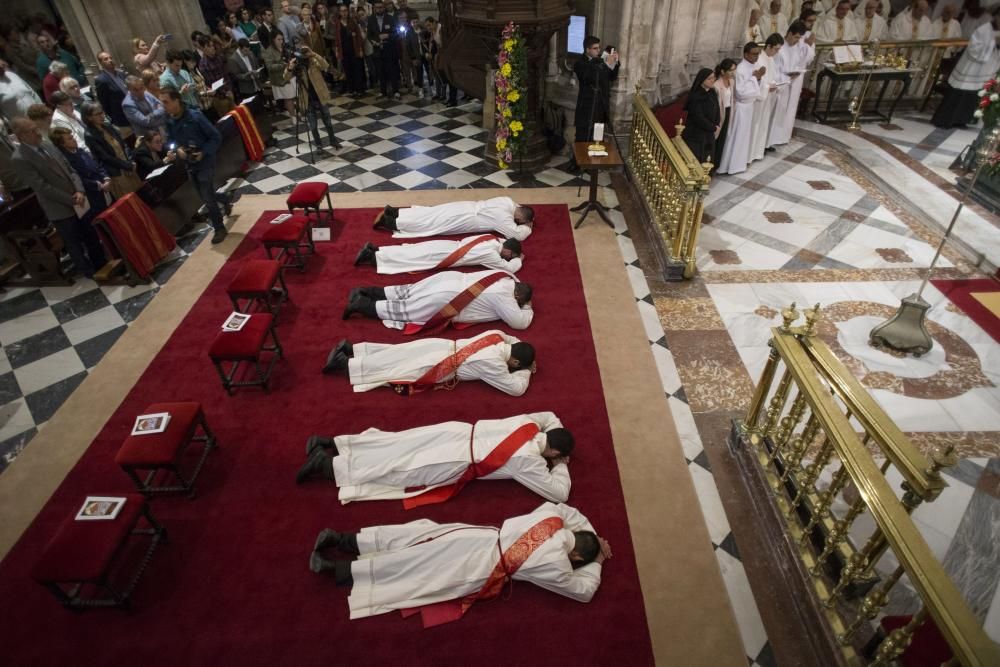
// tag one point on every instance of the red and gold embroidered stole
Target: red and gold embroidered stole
(135, 231)
(509, 563)
(252, 141)
(493, 462)
(439, 373)
(462, 251)
(451, 310)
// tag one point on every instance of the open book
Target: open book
(849, 53)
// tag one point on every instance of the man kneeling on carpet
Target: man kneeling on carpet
(499, 360)
(430, 464)
(485, 250)
(450, 297)
(500, 214)
(440, 570)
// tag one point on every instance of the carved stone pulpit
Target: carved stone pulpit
(472, 39)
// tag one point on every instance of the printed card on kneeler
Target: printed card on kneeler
(100, 508)
(152, 423)
(235, 322)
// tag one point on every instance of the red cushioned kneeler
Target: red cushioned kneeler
(162, 452)
(81, 560)
(290, 238)
(246, 345)
(308, 196)
(259, 281)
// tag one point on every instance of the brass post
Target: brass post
(822, 511)
(799, 447)
(898, 640)
(870, 606)
(787, 426)
(760, 393)
(812, 473)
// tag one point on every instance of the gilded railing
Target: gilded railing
(672, 185)
(923, 57)
(817, 436)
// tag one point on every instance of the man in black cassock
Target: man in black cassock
(595, 74)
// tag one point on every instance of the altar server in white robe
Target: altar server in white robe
(912, 25)
(736, 154)
(500, 214)
(870, 25)
(763, 107)
(794, 58)
(485, 250)
(383, 465)
(977, 65)
(504, 298)
(773, 20)
(500, 360)
(838, 26)
(421, 563)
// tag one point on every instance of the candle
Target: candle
(598, 132)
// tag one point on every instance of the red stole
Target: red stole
(509, 563)
(439, 373)
(136, 233)
(252, 140)
(462, 251)
(451, 310)
(493, 462)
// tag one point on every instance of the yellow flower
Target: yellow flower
(515, 134)
(503, 165)
(506, 113)
(501, 144)
(506, 69)
(516, 126)
(508, 45)
(513, 96)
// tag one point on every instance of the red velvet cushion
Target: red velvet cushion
(310, 193)
(255, 275)
(288, 231)
(82, 550)
(242, 344)
(155, 449)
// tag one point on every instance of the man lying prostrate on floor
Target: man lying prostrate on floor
(500, 214)
(485, 250)
(497, 359)
(441, 570)
(450, 297)
(431, 464)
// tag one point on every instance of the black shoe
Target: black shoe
(327, 539)
(380, 222)
(315, 442)
(335, 362)
(770, 149)
(318, 463)
(219, 236)
(451, 104)
(366, 255)
(390, 212)
(319, 565)
(233, 198)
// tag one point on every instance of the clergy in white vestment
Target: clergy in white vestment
(763, 107)
(870, 25)
(773, 20)
(736, 154)
(431, 464)
(792, 61)
(753, 33)
(946, 27)
(484, 250)
(796, 7)
(975, 16)
(501, 361)
(912, 25)
(429, 568)
(837, 26)
(499, 214)
(447, 297)
(979, 63)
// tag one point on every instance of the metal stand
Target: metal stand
(298, 120)
(858, 101)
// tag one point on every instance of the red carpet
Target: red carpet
(233, 587)
(960, 293)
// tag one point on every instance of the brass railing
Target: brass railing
(817, 422)
(922, 56)
(672, 186)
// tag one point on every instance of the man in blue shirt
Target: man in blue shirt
(176, 77)
(49, 51)
(197, 142)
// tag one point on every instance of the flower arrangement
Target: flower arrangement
(512, 66)
(988, 109)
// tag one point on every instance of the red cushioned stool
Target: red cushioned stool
(308, 196)
(259, 281)
(163, 452)
(91, 564)
(246, 344)
(289, 238)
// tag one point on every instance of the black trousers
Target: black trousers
(388, 64)
(82, 244)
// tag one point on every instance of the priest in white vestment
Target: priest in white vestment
(946, 27)
(736, 154)
(500, 214)
(500, 360)
(912, 25)
(773, 20)
(870, 25)
(408, 566)
(384, 465)
(418, 303)
(763, 107)
(838, 26)
(793, 60)
(753, 33)
(489, 251)
(979, 63)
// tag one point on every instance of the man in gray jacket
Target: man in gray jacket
(60, 193)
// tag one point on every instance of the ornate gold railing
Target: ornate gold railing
(672, 186)
(816, 422)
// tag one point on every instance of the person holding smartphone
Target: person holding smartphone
(594, 72)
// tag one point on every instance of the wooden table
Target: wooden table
(595, 165)
(885, 75)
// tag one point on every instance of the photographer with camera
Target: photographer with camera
(382, 34)
(595, 72)
(195, 142)
(307, 67)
